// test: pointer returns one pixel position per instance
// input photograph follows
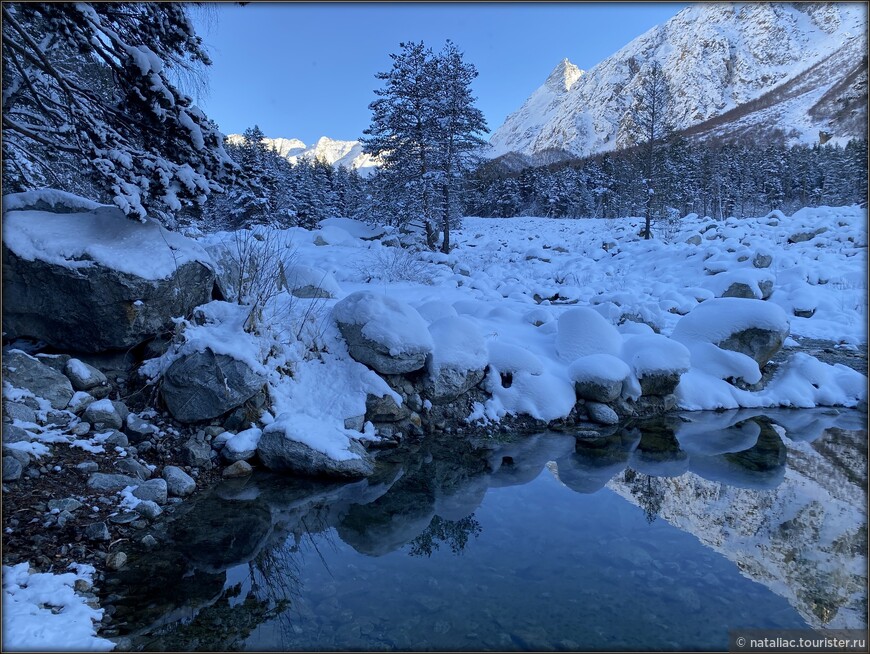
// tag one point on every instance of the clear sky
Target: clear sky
(305, 70)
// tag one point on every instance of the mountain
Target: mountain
(346, 154)
(754, 69)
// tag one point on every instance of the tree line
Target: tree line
(712, 179)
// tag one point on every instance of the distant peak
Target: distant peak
(563, 76)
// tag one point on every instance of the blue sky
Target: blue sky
(305, 70)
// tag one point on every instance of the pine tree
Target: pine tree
(647, 127)
(459, 125)
(89, 84)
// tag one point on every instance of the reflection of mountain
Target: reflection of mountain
(798, 530)
(805, 538)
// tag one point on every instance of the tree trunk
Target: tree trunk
(445, 219)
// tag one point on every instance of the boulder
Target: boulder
(12, 468)
(450, 383)
(139, 430)
(601, 413)
(204, 385)
(752, 327)
(132, 467)
(384, 409)
(24, 371)
(196, 454)
(387, 335)
(148, 509)
(236, 470)
(93, 280)
(102, 414)
(83, 376)
(101, 481)
(178, 482)
(598, 377)
(279, 453)
(307, 282)
(659, 382)
(153, 490)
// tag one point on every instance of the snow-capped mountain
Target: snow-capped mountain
(346, 154)
(717, 58)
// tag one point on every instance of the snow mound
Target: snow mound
(300, 276)
(654, 353)
(583, 332)
(388, 322)
(355, 228)
(513, 359)
(595, 367)
(52, 200)
(715, 320)
(99, 236)
(457, 345)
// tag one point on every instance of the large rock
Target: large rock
(450, 383)
(86, 278)
(103, 415)
(84, 377)
(205, 385)
(752, 327)
(279, 453)
(24, 371)
(387, 335)
(178, 482)
(598, 377)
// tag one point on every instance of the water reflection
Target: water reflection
(269, 563)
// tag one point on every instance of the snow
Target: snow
(79, 369)
(244, 441)
(654, 353)
(715, 320)
(584, 331)
(28, 599)
(457, 345)
(389, 322)
(300, 276)
(594, 367)
(100, 236)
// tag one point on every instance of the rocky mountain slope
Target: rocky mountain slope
(756, 69)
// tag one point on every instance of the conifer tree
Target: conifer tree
(89, 84)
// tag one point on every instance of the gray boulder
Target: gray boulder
(132, 467)
(598, 390)
(279, 453)
(83, 376)
(741, 290)
(760, 344)
(384, 409)
(377, 356)
(450, 383)
(12, 468)
(237, 470)
(101, 481)
(18, 411)
(102, 415)
(95, 308)
(153, 490)
(24, 371)
(148, 509)
(205, 385)
(660, 383)
(13, 434)
(178, 482)
(97, 531)
(138, 430)
(196, 454)
(66, 504)
(601, 413)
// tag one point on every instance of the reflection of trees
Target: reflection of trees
(453, 532)
(647, 490)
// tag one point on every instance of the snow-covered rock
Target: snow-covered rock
(457, 361)
(308, 282)
(598, 377)
(204, 385)
(657, 362)
(383, 333)
(751, 327)
(242, 446)
(281, 449)
(584, 331)
(95, 280)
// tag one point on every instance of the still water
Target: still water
(660, 537)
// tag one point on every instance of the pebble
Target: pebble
(238, 469)
(88, 466)
(149, 541)
(97, 531)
